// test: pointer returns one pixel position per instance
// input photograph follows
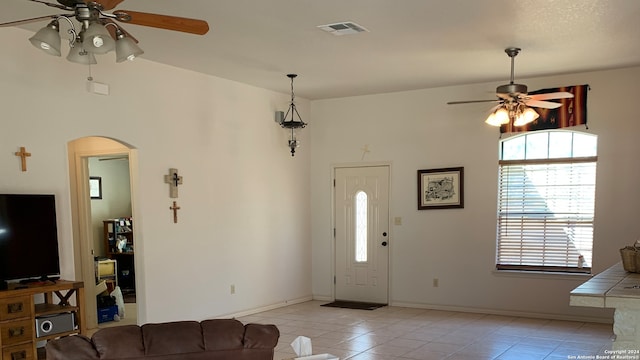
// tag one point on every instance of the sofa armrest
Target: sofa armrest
(77, 347)
(259, 336)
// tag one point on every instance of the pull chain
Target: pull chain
(90, 77)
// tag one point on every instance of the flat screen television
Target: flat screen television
(28, 237)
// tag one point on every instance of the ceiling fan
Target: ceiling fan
(514, 103)
(99, 33)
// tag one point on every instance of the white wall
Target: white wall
(417, 130)
(244, 217)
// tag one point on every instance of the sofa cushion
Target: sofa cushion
(128, 338)
(77, 347)
(222, 334)
(257, 336)
(179, 337)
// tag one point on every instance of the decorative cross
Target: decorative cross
(365, 151)
(173, 180)
(175, 209)
(23, 156)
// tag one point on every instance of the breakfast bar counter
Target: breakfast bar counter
(615, 288)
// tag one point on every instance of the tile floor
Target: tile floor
(130, 318)
(405, 333)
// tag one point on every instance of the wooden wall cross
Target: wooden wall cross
(23, 156)
(175, 209)
(173, 180)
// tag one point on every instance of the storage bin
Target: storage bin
(107, 314)
(630, 258)
(106, 268)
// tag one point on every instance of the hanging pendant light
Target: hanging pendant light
(293, 124)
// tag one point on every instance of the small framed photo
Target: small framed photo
(95, 187)
(441, 188)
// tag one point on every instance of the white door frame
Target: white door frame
(82, 225)
(333, 222)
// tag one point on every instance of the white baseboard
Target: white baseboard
(502, 312)
(266, 308)
(426, 306)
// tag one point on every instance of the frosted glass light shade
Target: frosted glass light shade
(527, 116)
(127, 49)
(79, 55)
(500, 117)
(47, 39)
(97, 40)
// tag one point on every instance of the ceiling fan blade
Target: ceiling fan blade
(542, 104)
(550, 96)
(192, 26)
(106, 4)
(471, 101)
(59, 6)
(25, 21)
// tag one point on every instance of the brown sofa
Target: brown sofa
(222, 339)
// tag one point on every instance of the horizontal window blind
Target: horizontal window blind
(545, 214)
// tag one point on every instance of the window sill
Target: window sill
(542, 275)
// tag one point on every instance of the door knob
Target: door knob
(384, 233)
(384, 243)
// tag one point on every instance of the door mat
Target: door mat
(354, 305)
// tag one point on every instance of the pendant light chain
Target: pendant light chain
(292, 93)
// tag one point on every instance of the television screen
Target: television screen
(28, 237)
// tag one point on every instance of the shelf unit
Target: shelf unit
(115, 229)
(121, 228)
(19, 311)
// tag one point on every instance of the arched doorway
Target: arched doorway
(87, 240)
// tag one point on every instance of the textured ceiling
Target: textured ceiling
(412, 44)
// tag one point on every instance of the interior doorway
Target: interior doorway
(112, 222)
(361, 209)
(108, 197)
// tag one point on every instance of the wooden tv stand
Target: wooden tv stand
(19, 310)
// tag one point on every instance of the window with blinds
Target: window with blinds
(546, 198)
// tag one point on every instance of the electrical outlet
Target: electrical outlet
(233, 289)
(435, 282)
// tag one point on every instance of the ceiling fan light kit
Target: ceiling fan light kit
(94, 36)
(515, 104)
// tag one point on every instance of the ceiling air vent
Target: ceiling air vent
(343, 28)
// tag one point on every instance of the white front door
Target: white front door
(362, 234)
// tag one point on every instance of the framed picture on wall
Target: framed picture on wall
(95, 187)
(441, 188)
